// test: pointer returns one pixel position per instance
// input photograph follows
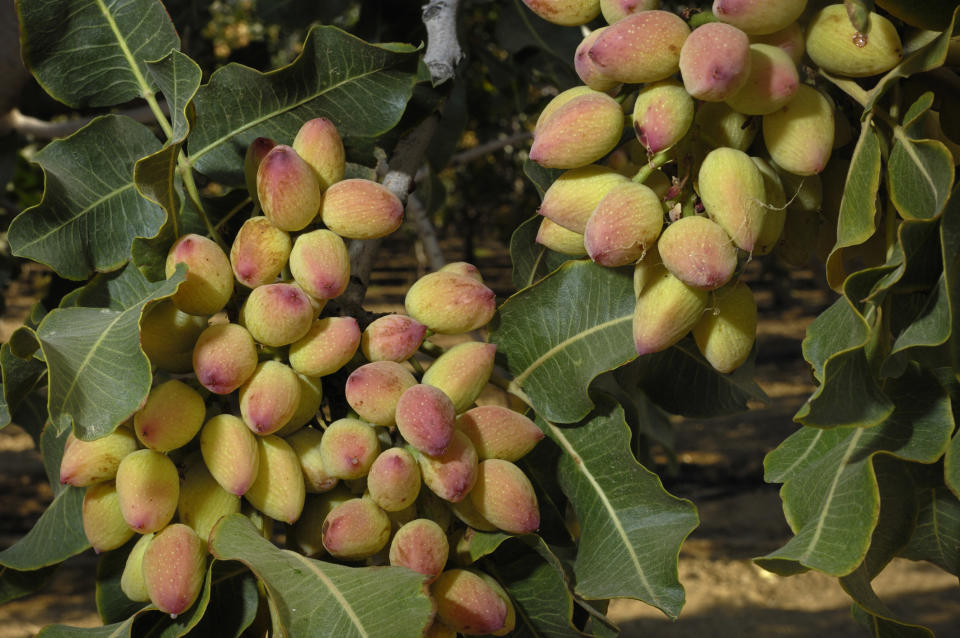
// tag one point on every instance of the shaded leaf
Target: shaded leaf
(91, 211)
(540, 176)
(928, 329)
(631, 528)
(112, 604)
(16, 584)
(950, 246)
(919, 176)
(307, 593)
(233, 602)
(98, 373)
(363, 88)
(94, 53)
(52, 443)
(474, 545)
(116, 630)
(56, 536)
(937, 534)
(830, 494)
(558, 335)
(531, 261)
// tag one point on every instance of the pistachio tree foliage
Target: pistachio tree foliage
(251, 452)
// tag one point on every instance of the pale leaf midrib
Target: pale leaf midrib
(332, 588)
(907, 145)
(806, 453)
(142, 81)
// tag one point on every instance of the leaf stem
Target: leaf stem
(187, 174)
(647, 169)
(236, 209)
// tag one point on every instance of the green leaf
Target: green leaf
(830, 494)
(919, 176)
(558, 335)
(344, 601)
(116, 630)
(704, 393)
(929, 329)
(17, 584)
(56, 536)
(950, 246)
(631, 528)
(858, 208)
(112, 604)
(531, 261)
(233, 602)
(52, 443)
(98, 374)
(363, 88)
(474, 545)
(937, 534)
(541, 177)
(94, 53)
(951, 465)
(91, 211)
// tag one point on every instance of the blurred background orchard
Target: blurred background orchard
(474, 193)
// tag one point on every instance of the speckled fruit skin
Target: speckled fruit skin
(614, 10)
(319, 144)
(270, 397)
(642, 47)
(230, 452)
(590, 74)
(348, 448)
(666, 310)
(425, 416)
(174, 564)
(224, 357)
(579, 132)
(718, 125)
(394, 480)
(451, 475)
(171, 417)
(725, 334)
(568, 13)
(102, 519)
(131, 580)
(799, 136)
(306, 443)
(355, 529)
(504, 496)
(732, 191)
(148, 488)
(698, 252)
(833, 44)
(498, 432)
(571, 198)
(329, 344)
(715, 61)
(759, 16)
(288, 189)
(278, 490)
(559, 239)
(771, 83)
(88, 462)
(320, 264)
(361, 209)
(392, 338)
(662, 115)
(277, 314)
(448, 303)
(209, 280)
(422, 546)
(625, 223)
(468, 604)
(203, 501)
(373, 389)
(167, 336)
(462, 372)
(791, 39)
(259, 252)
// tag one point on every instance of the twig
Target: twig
(417, 214)
(34, 127)
(443, 48)
(467, 156)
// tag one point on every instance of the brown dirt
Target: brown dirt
(721, 471)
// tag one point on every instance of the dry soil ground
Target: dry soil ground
(721, 471)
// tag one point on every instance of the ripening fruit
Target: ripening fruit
(425, 416)
(642, 47)
(171, 417)
(392, 338)
(131, 580)
(103, 521)
(311, 394)
(504, 496)
(320, 264)
(662, 115)
(88, 462)
(559, 239)
(468, 604)
(259, 252)
(759, 16)
(148, 488)
(567, 13)
(288, 189)
(209, 281)
(698, 252)
(348, 448)
(270, 397)
(174, 565)
(589, 73)
(329, 344)
(799, 137)
(498, 432)
(394, 480)
(306, 444)
(614, 10)
(448, 303)
(646, 270)
(834, 44)
(361, 209)
(725, 334)
(715, 61)
(720, 126)
(257, 150)
(319, 144)
(355, 529)
(278, 490)
(625, 223)
(732, 191)
(373, 389)
(776, 214)
(230, 452)
(468, 514)
(422, 546)
(584, 129)
(452, 474)
(463, 268)
(791, 39)
(771, 84)
(666, 310)
(462, 372)
(277, 314)
(570, 200)
(224, 356)
(203, 501)
(167, 336)
(307, 532)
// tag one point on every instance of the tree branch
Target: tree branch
(470, 154)
(417, 214)
(443, 48)
(30, 126)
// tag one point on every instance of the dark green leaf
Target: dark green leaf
(56, 536)
(116, 630)
(363, 88)
(16, 584)
(307, 593)
(950, 243)
(919, 176)
(631, 528)
(540, 176)
(52, 443)
(91, 210)
(233, 602)
(531, 261)
(558, 335)
(94, 53)
(937, 535)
